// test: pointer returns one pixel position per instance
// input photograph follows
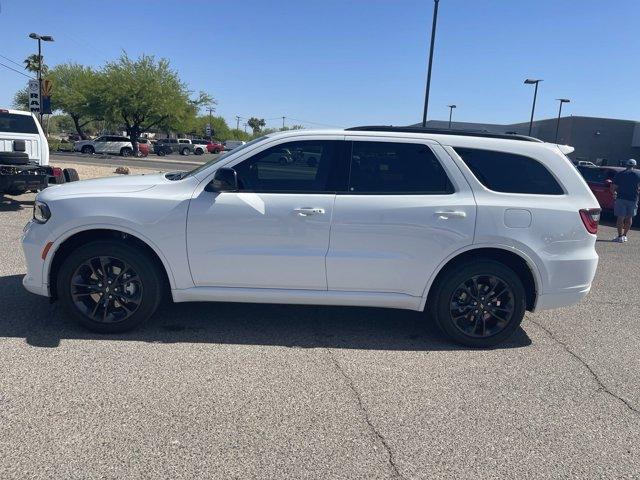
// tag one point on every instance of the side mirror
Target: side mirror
(224, 180)
(608, 182)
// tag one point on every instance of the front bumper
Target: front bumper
(34, 237)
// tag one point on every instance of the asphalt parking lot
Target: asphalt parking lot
(273, 391)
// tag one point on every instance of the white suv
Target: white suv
(473, 229)
(105, 144)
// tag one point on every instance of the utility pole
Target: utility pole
(451, 107)
(245, 127)
(40, 39)
(237, 122)
(433, 40)
(211, 110)
(283, 122)
(532, 81)
(561, 100)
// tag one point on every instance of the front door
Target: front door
(273, 232)
(407, 209)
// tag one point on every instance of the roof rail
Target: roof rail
(443, 131)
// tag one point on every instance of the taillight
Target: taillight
(57, 171)
(590, 218)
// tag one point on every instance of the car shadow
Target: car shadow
(43, 324)
(12, 205)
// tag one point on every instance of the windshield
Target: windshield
(225, 155)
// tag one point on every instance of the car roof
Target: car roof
(16, 112)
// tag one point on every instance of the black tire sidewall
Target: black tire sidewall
(87, 150)
(139, 261)
(70, 175)
(440, 306)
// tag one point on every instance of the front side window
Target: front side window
(300, 167)
(510, 173)
(396, 168)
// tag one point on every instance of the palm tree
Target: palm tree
(32, 64)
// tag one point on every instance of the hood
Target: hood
(102, 186)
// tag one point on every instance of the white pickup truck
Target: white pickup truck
(24, 155)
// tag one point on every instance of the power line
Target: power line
(17, 71)
(12, 61)
(313, 123)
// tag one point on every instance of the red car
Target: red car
(599, 180)
(215, 146)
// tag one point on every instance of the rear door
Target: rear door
(407, 209)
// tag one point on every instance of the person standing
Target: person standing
(625, 188)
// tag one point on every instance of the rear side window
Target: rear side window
(510, 173)
(396, 168)
(14, 123)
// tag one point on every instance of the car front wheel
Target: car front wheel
(480, 304)
(109, 286)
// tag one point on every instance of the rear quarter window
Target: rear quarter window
(15, 123)
(510, 173)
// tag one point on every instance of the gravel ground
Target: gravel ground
(273, 391)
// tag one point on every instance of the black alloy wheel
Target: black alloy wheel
(110, 286)
(482, 306)
(479, 304)
(106, 289)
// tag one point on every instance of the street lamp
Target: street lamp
(433, 40)
(40, 39)
(561, 100)
(451, 107)
(530, 81)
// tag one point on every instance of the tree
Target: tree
(256, 124)
(32, 63)
(21, 99)
(75, 93)
(146, 93)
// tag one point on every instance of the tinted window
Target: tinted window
(386, 167)
(183, 141)
(509, 173)
(14, 123)
(311, 166)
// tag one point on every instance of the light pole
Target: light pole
(530, 81)
(433, 40)
(40, 39)
(561, 100)
(283, 122)
(451, 107)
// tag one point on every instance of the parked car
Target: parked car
(199, 145)
(166, 146)
(24, 155)
(584, 163)
(215, 146)
(599, 180)
(469, 227)
(112, 144)
(231, 144)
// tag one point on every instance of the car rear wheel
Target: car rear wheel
(88, 149)
(199, 151)
(185, 151)
(479, 304)
(126, 151)
(70, 175)
(109, 287)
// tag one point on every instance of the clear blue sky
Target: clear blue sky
(356, 62)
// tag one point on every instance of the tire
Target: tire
(454, 309)
(185, 151)
(140, 293)
(161, 153)
(126, 151)
(16, 192)
(70, 175)
(88, 149)
(14, 158)
(198, 151)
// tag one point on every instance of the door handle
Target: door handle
(448, 215)
(307, 211)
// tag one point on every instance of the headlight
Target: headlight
(41, 212)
